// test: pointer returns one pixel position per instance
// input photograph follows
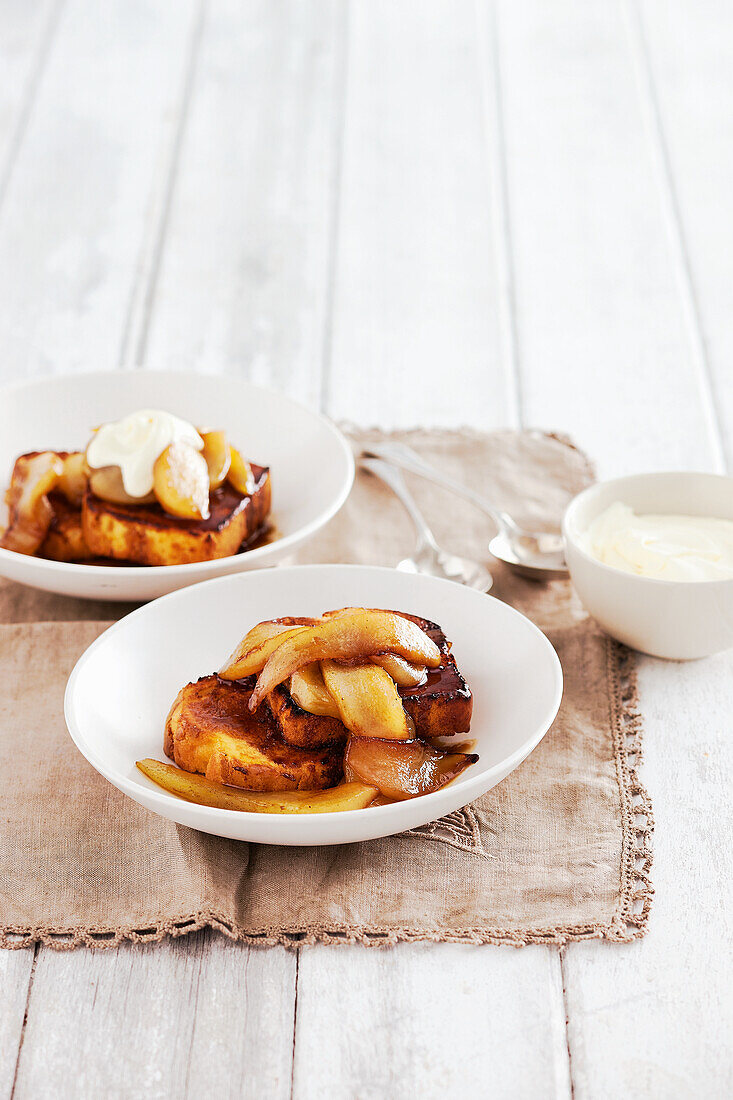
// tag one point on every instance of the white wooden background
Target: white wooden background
(444, 212)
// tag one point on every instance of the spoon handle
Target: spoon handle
(399, 454)
(392, 477)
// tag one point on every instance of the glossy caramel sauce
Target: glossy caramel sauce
(443, 680)
(264, 536)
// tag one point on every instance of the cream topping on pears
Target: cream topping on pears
(134, 444)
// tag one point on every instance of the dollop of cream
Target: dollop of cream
(135, 442)
(669, 548)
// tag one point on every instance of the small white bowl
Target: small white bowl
(679, 620)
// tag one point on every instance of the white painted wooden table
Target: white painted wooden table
(407, 213)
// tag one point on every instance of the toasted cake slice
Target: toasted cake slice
(147, 535)
(65, 539)
(443, 704)
(210, 730)
(297, 727)
(439, 707)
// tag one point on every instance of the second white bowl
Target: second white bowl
(311, 463)
(674, 619)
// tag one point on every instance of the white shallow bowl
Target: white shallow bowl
(674, 619)
(121, 689)
(311, 464)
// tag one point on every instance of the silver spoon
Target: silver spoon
(428, 557)
(535, 554)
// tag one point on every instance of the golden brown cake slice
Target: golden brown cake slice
(298, 727)
(443, 704)
(147, 535)
(210, 730)
(65, 539)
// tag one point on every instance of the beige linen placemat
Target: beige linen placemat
(558, 851)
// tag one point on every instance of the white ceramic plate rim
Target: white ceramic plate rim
(295, 538)
(209, 816)
(571, 535)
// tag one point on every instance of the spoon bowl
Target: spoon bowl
(537, 563)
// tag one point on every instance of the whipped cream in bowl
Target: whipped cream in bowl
(651, 557)
(665, 547)
(135, 442)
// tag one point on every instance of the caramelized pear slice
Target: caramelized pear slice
(29, 510)
(367, 699)
(402, 769)
(218, 457)
(195, 788)
(106, 483)
(256, 646)
(311, 694)
(357, 633)
(240, 474)
(74, 478)
(403, 672)
(181, 482)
